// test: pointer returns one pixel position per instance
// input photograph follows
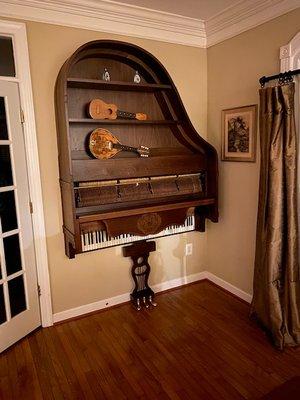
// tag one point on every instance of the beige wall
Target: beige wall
(234, 68)
(103, 274)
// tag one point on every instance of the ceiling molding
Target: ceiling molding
(123, 19)
(112, 17)
(243, 16)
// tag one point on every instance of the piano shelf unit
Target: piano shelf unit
(178, 154)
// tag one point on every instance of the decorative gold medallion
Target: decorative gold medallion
(149, 223)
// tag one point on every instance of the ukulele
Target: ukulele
(98, 109)
(104, 145)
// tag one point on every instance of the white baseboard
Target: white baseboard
(184, 280)
(112, 301)
(87, 308)
(229, 287)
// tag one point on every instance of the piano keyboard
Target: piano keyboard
(100, 239)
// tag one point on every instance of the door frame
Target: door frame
(17, 31)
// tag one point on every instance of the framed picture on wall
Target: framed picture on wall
(239, 133)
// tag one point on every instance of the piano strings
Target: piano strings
(114, 191)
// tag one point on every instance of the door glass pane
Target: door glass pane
(12, 254)
(17, 295)
(7, 63)
(5, 166)
(8, 211)
(3, 126)
(2, 306)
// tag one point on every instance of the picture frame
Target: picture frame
(239, 130)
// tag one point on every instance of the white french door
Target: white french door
(19, 303)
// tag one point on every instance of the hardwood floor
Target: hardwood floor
(197, 344)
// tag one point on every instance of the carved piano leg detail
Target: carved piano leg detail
(138, 304)
(145, 302)
(140, 270)
(152, 302)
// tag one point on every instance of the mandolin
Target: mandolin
(98, 109)
(104, 145)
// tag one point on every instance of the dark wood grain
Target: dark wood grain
(288, 390)
(167, 218)
(142, 295)
(119, 168)
(145, 209)
(198, 344)
(121, 122)
(116, 85)
(175, 146)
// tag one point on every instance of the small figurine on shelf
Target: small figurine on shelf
(137, 78)
(106, 75)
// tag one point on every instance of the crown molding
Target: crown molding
(111, 17)
(124, 19)
(243, 16)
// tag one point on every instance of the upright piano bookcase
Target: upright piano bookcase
(176, 148)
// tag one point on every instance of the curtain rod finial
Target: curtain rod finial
(263, 81)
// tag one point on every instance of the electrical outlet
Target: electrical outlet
(189, 249)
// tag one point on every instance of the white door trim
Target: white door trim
(18, 32)
(290, 54)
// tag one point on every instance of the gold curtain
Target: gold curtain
(276, 287)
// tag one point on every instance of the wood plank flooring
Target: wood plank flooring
(197, 344)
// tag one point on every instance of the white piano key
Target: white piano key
(86, 240)
(100, 239)
(93, 240)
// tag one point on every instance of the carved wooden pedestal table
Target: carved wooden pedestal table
(140, 270)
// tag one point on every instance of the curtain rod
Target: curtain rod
(282, 77)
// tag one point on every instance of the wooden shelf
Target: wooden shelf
(115, 85)
(144, 209)
(121, 121)
(175, 148)
(94, 169)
